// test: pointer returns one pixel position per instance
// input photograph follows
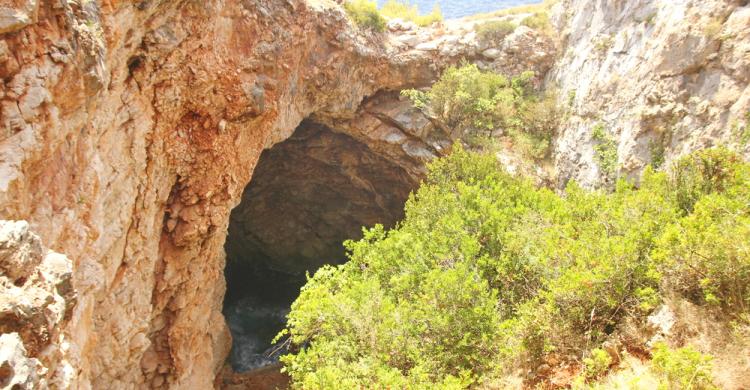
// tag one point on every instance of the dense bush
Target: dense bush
(707, 253)
(365, 14)
(494, 31)
(403, 10)
(683, 368)
(471, 103)
(596, 364)
(705, 172)
(538, 21)
(486, 271)
(605, 149)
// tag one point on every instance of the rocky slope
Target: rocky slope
(663, 77)
(131, 129)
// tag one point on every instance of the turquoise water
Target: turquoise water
(459, 8)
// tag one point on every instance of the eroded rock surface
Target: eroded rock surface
(664, 78)
(309, 194)
(130, 130)
(37, 300)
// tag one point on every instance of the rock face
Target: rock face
(664, 77)
(37, 301)
(309, 194)
(129, 132)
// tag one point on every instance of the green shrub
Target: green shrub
(435, 16)
(538, 120)
(742, 131)
(700, 252)
(403, 10)
(604, 43)
(571, 98)
(605, 150)
(466, 98)
(705, 172)
(597, 364)
(682, 369)
(538, 21)
(487, 270)
(364, 13)
(494, 31)
(470, 102)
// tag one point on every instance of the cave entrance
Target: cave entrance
(307, 195)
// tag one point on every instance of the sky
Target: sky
(459, 8)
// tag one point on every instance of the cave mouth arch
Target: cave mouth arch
(307, 195)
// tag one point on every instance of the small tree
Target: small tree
(364, 13)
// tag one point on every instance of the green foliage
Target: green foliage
(705, 172)
(467, 97)
(404, 10)
(364, 13)
(597, 364)
(544, 6)
(701, 253)
(682, 369)
(604, 43)
(486, 270)
(494, 31)
(742, 132)
(713, 27)
(471, 102)
(605, 150)
(538, 21)
(657, 150)
(571, 98)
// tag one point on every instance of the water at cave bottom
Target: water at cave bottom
(254, 322)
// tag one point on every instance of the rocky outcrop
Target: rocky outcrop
(37, 301)
(129, 132)
(663, 77)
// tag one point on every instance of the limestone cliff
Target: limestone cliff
(131, 128)
(664, 77)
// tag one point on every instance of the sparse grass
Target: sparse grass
(713, 28)
(742, 132)
(571, 98)
(364, 13)
(521, 9)
(494, 31)
(396, 9)
(538, 21)
(604, 43)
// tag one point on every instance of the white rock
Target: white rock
(409, 39)
(428, 46)
(24, 371)
(492, 53)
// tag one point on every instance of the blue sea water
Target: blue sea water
(453, 9)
